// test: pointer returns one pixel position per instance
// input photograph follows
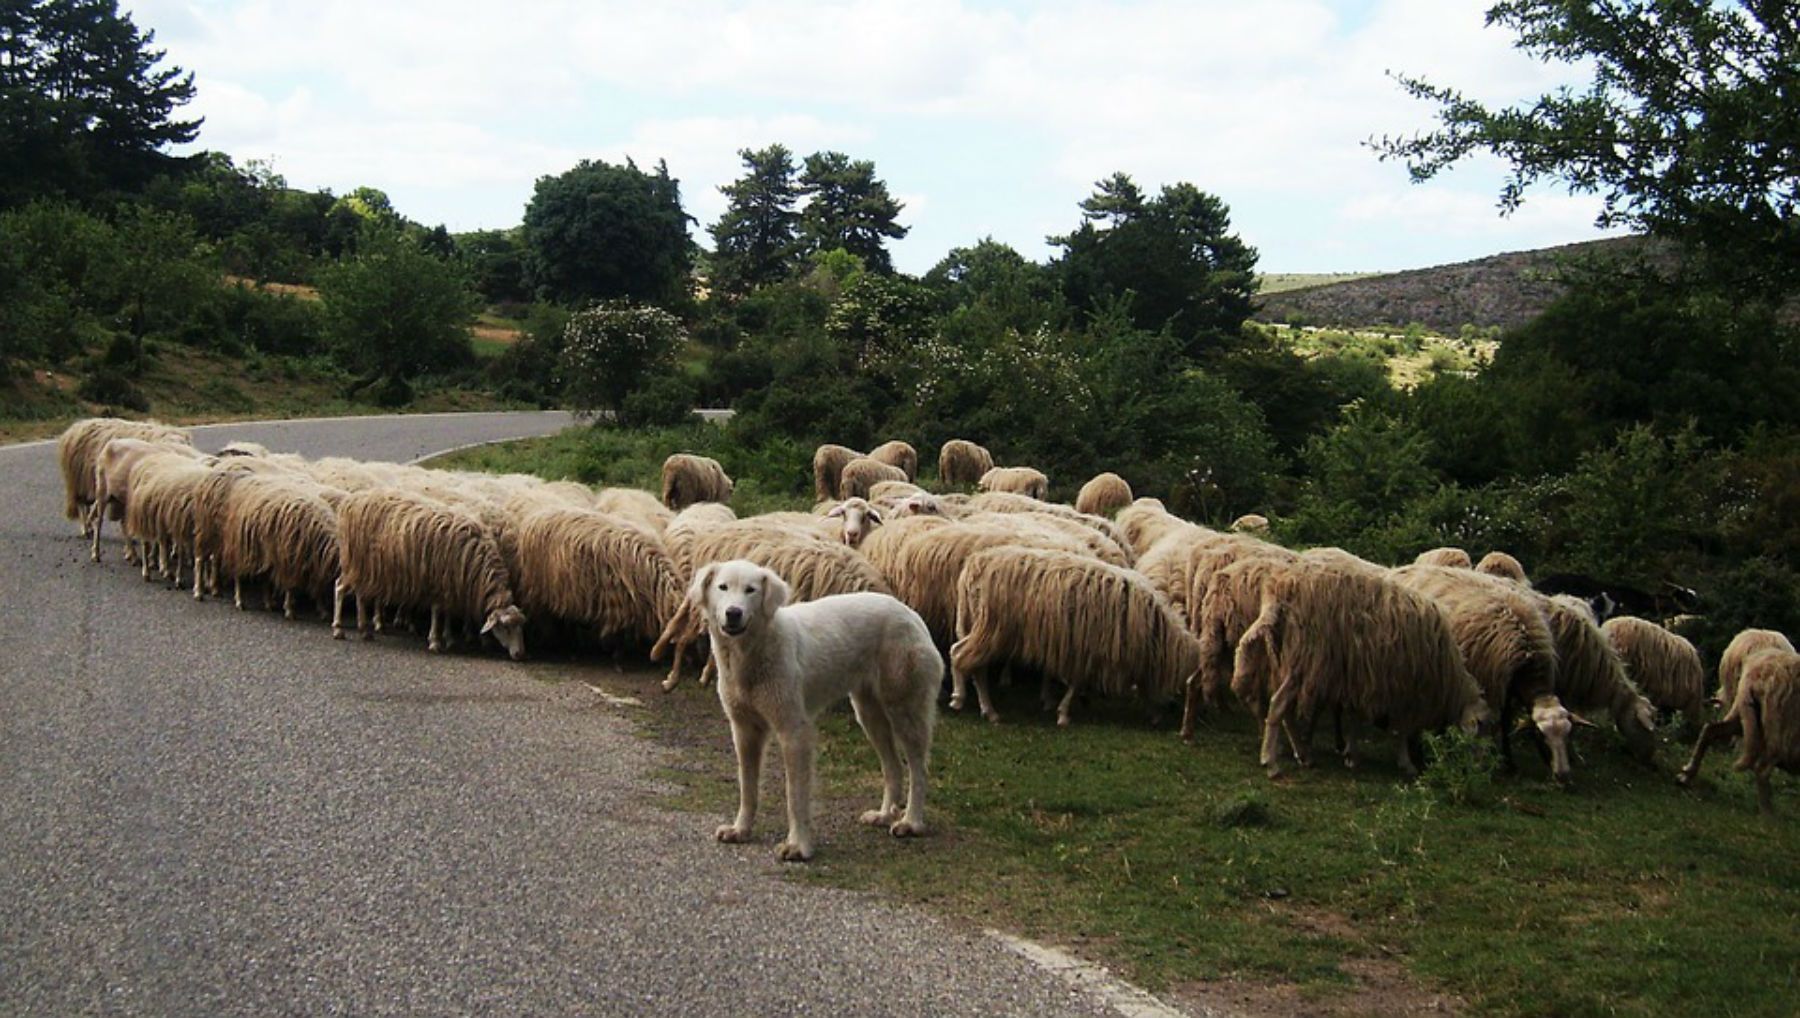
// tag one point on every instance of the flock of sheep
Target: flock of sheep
(1113, 596)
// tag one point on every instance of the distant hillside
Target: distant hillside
(1503, 290)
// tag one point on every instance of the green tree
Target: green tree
(161, 278)
(611, 351)
(849, 208)
(603, 232)
(394, 312)
(496, 259)
(1172, 256)
(756, 241)
(1687, 129)
(86, 108)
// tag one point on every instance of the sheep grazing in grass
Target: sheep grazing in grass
(1348, 640)
(1145, 522)
(860, 476)
(687, 479)
(1251, 523)
(828, 469)
(1086, 623)
(79, 446)
(111, 490)
(963, 462)
(1765, 710)
(921, 558)
(1666, 667)
(1017, 480)
(1449, 558)
(1104, 495)
(161, 513)
(1342, 559)
(285, 530)
(1499, 563)
(1507, 645)
(897, 454)
(1744, 644)
(595, 570)
(1232, 601)
(1115, 548)
(406, 550)
(636, 505)
(1590, 676)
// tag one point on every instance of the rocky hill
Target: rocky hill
(1503, 290)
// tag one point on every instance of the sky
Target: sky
(986, 118)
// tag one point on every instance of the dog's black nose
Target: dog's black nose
(734, 615)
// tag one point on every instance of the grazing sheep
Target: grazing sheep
(1115, 547)
(687, 479)
(1451, 558)
(596, 570)
(1350, 640)
(1017, 480)
(1145, 522)
(1666, 667)
(1590, 676)
(636, 505)
(80, 444)
(954, 506)
(1499, 563)
(161, 510)
(1232, 601)
(963, 462)
(1104, 495)
(286, 530)
(111, 490)
(1507, 646)
(1765, 710)
(828, 469)
(688, 525)
(897, 454)
(1342, 559)
(1251, 523)
(860, 476)
(1078, 620)
(1744, 644)
(347, 474)
(402, 549)
(921, 558)
(892, 493)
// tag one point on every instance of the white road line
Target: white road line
(1095, 980)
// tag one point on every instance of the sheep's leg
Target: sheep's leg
(1062, 709)
(94, 552)
(269, 594)
(287, 605)
(749, 735)
(237, 592)
(1765, 799)
(362, 618)
(962, 653)
(1405, 758)
(1279, 705)
(337, 610)
(873, 717)
(709, 672)
(1729, 728)
(435, 640)
(1046, 691)
(674, 678)
(200, 563)
(379, 610)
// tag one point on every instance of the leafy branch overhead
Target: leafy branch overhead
(1688, 129)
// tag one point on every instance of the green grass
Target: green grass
(1182, 865)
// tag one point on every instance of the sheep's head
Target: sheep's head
(1637, 723)
(1555, 724)
(1477, 717)
(859, 519)
(508, 627)
(919, 505)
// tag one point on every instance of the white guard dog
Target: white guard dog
(780, 666)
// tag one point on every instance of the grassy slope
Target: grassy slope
(1183, 866)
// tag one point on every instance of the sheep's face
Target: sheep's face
(507, 625)
(859, 519)
(738, 596)
(1554, 724)
(1638, 725)
(920, 505)
(1477, 717)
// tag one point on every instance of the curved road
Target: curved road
(212, 813)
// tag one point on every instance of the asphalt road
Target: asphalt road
(207, 812)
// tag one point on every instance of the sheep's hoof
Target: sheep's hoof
(956, 703)
(906, 829)
(731, 834)
(991, 717)
(880, 817)
(1685, 778)
(337, 632)
(435, 646)
(1062, 721)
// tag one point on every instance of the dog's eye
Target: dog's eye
(749, 590)
(723, 587)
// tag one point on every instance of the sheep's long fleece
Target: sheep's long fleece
(408, 550)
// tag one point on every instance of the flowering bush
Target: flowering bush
(612, 350)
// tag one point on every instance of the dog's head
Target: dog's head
(736, 596)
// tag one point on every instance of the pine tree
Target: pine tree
(848, 208)
(756, 241)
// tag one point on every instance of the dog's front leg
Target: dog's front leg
(750, 736)
(799, 748)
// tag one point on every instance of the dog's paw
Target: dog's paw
(880, 817)
(790, 852)
(906, 829)
(731, 834)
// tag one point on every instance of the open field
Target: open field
(1281, 282)
(1333, 891)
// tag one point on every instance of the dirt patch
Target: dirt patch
(496, 334)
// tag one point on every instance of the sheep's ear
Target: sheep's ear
(874, 515)
(1581, 722)
(493, 620)
(776, 592)
(837, 511)
(702, 580)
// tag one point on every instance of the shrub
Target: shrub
(612, 350)
(109, 386)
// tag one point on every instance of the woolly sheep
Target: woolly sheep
(243, 448)
(1507, 646)
(1664, 666)
(892, 492)
(860, 476)
(1499, 563)
(1590, 676)
(1251, 523)
(859, 520)
(1341, 559)
(1086, 623)
(897, 454)
(1744, 644)
(636, 505)
(1765, 710)
(828, 467)
(1104, 495)
(962, 462)
(1349, 640)
(402, 549)
(161, 510)
(79, 445)
(687, 479)
(1453, 558)
(596, 570)
(922, 557)
(1017, 480)
(1009, 502)
(1145, 521)
(954, 506)
(1232, 601)
(283, 529)
(111, 489)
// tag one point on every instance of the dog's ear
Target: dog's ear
(703, 579)
(775, 592)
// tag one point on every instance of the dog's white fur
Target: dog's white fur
(780, 666)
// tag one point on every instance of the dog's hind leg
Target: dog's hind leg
(799, 752)
(912, 732)
(749, 735)
(872, 715)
